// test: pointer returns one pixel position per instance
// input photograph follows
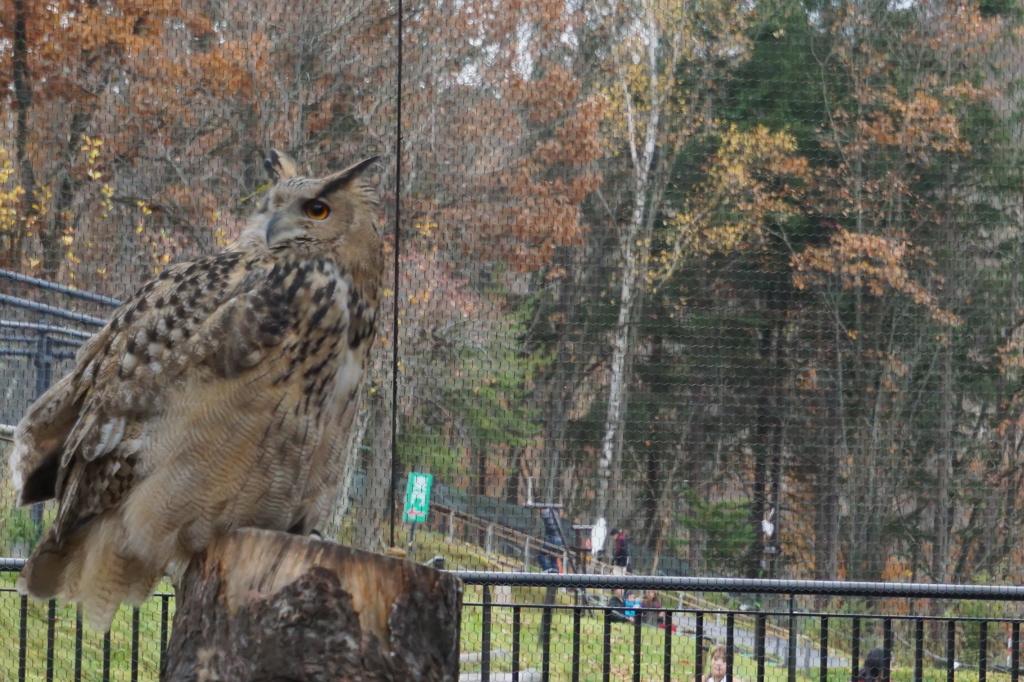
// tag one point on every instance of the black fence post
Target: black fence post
(1014, 651)
(669, 619)
(982, 651)
(51, 637)
(855, 648)
(823, 650)
(887, 647)
(545, 632)
(791, 647)
(545, 620)
(730, 642)
(698, 634)
(78, 645)
(950, 650)
(918, 651)
(23, 639)
(43, 361)
(577, 616)
(606, 649)
(637, 642)
(485, 636)
(759, 633)
(516, 633)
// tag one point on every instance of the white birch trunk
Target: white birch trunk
(634, 254)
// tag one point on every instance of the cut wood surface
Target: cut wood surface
(260, 605)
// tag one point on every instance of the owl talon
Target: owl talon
(321, 537)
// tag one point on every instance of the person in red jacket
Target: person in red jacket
(620, 548)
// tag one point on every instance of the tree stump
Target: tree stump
(270, 607)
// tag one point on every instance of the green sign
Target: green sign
(417, 497)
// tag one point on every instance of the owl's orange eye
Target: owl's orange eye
(316, 209)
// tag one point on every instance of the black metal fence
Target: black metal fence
(529, 626)
(47, 336)
(582, 640)
(43, 328)
(51, 643)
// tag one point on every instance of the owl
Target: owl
(219, 396)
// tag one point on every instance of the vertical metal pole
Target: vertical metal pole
(918, 650)
(517, 632)
(164, 605)
(637, 625)
(78, 644)
(545, 632)
(577, 615)
(950, 650)
(51, 636)
(759, 634)
(730, 622)
(135, 646)
(606, 652)
(791, 647)
(23, 639)
(106, 656)
(485, 637)
(982, 650)
(698, 666)
(1015, 651)
(395, 464)
(855, 648)
(668, 616)
(43, 360)
(412, 539)
(887, 647)
(823, 651)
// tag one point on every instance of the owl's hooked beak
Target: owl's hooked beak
(279, 229)
(272, 225)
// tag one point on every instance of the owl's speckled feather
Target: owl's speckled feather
(220, 395)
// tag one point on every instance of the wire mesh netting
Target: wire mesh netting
(710, 288)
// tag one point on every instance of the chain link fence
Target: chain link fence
(716, 288)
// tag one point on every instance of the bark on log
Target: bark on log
(271, 607)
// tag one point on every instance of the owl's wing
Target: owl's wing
(215, 317)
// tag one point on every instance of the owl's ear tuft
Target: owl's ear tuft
(279, 166)
(342, 178)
